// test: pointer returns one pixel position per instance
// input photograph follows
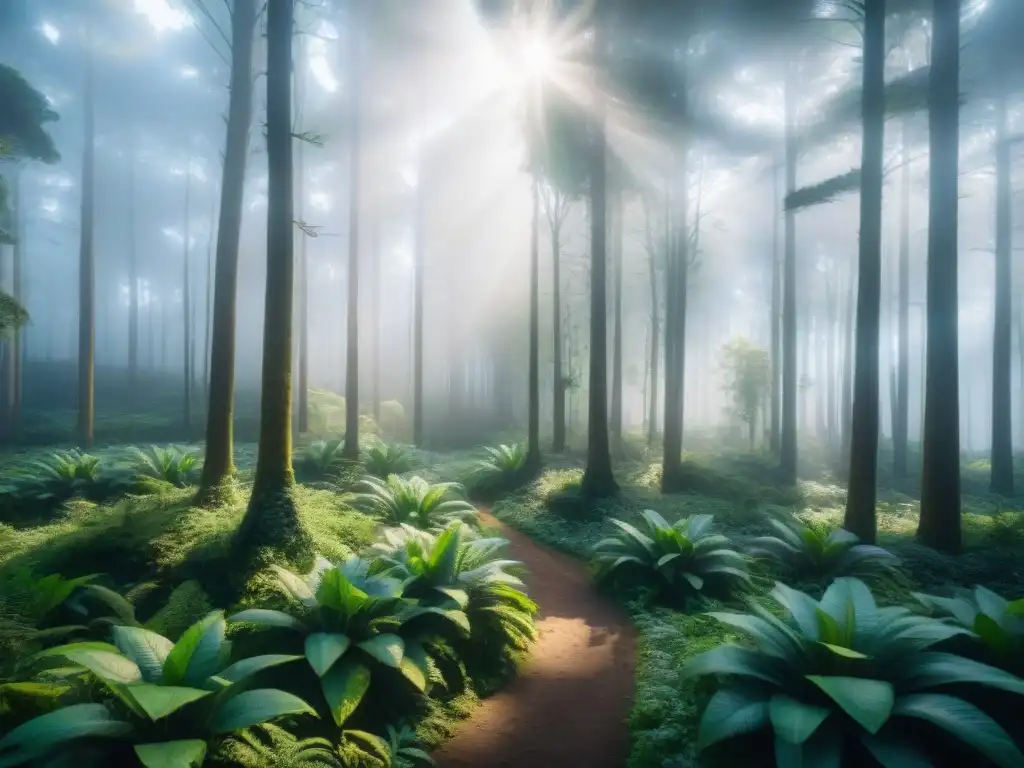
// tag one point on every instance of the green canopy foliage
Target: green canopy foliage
(24, 113)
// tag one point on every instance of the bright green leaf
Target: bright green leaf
(172, 754)
(869, 702)
(344, 687)
(158, 701)
(323, 649)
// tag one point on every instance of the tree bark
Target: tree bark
(939, 526)
(133, 276)
(617, 227)
(418, 299)
(1002, 412)
(18, 291)
(272, 519)
(375, 313)
(862, 486)
(186, 307)
(533, 427)
(87, 266)
(901, 427)
(218, 465)
(558, 444)
(788, 441)
(776, 319)
(831, 296)
(302, 425)
(351, 448)
(652, 400)
(675, 335)
(598, 477)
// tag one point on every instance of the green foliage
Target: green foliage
(819, 552)
(22, 124)
(172, 465)
(997, 623)
(167, 701)
(823, 192)
(401, 749)
(843, 679)
(502, 469)
(12, 314)
(321, 460)
(382, 459)
(748, 378)
(680, 561)
(271, 746)
(356, 624)
(414, 501)
(454, 569)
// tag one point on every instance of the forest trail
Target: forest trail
(568, 707)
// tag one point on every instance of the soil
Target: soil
(568, 707)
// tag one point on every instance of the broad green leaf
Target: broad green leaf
(109, 667)
(1016, 608)
(795, 721)
(694, 580)
(846, 653)
(414, 665)
(893, 752)
(869, 702)
(255, 707)
(176, 664)
(65, 724)
(88, 645)
(147, 649)
(209, 654)
(294, 587)
(158, 701)
(387, 649)
(824, 749)
(731, 712)
(121, 607)
(729, 659)
(344, 687)
(935, 669)
(992, 634)
(267, 618)
(964, 721)
(828, 628)
(246, 668)
(458, 596)
(417, 754)
(172, 754)
(324, 648)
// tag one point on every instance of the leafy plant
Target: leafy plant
(450, 570)
(170, 700)
(819, 553)
(270, 746)
(321, 460)
(382, 459)
(502, 467)
(842, 679)
(684, 560)
(172, 465)
(414, 501)
(354, 622)
(997, 622)
(401, 749)
(64, 475)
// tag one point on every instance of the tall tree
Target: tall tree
(655, 353)
(86, 261)
(1002, 412)
(556, 207)
(675, 323)
(302, 422)
(617, 231)
(218, 465)
(787, 435)
(860, 503)
(272, 518)
(776, 319)
(598, 478)
(419, 267)
(186, 303)
(901, 427)
(533, 426)
(940, 523)
(133, 273)
(351, 448)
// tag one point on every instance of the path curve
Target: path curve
(569, 704)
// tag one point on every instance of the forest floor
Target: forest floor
(570, 702)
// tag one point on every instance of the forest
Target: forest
(511, 383)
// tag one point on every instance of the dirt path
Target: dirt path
(569, 705)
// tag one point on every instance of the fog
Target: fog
(445, 167)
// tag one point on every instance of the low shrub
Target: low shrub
(382, 459)
(414, 501)
(502, 469)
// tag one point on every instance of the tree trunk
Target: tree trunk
(776, 328)
(652, 400)
(901, 428)
(133, 276)
(617, 227)
(303, 314)
(351, 449)
(87, 266)
(1002, 412)
(675, 336)
(787, 440)
(558, 444)
(186, 306)
(846, 399)
(218, 465)
(417, 322)
(940, 481)
(18, 291)
(272, 519)
(831, 296)
(533, 427)
(376, 253)
(207, 318)
(862, 486)
(598, 477)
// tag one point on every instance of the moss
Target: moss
(186, 604)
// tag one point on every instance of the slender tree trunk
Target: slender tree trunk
(272, 518)
(303, 409)
(417, 322)
(533, 430)
(1002, 411)
(18, 291)
(862, 487)
(351, 449)
(598, 478)
(87, 266)
(901, 429)
(652, 400)
(846, 400)
(675, 335)
(218, 465)
(376, 255)
(831, 296)
(186, 305)
(940, 482)
(776, 320)
(209, 302)
(617, 227)
(788, 442)
(556, 321)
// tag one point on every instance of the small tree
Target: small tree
(747, 379)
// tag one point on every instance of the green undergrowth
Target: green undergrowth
(667, 709)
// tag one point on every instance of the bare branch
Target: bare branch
(201, 7)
